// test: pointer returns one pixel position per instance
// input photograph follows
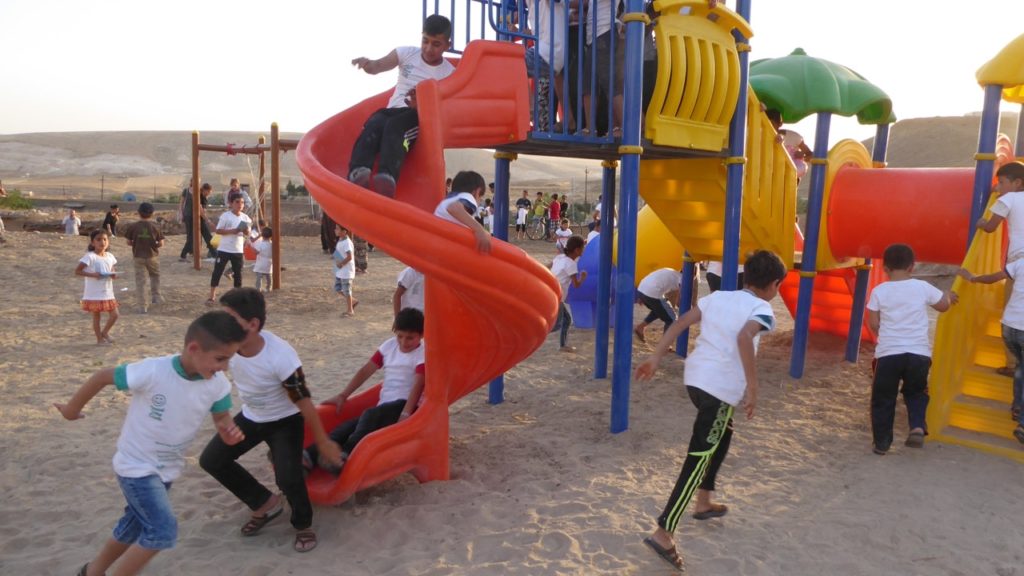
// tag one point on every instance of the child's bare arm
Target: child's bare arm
(345, 260)
(389, 62)
(396, 300)
(80, 271)
(948, 299)
(99, 380)
(360, 377)
(646, 369)
(983, 278)
(990, 224)
(414, 397)
(745, 345)
(578, 278)
(328, 449)
(874, 321)
(226, 428)
(483, 239)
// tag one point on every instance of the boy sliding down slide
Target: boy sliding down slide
(391, 132)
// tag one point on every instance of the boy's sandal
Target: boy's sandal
(210, 302)
(669, 555)
(256, 523)
(716, 511)
(305, 540)
(1018, 433)
(1005, 371)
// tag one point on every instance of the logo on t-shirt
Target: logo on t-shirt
(157, 406)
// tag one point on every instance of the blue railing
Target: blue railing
(501, 19)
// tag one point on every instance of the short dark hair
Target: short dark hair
(206, 186)
(437, 25)
(467, 181)
(214, 329)
(409, 320)
(247, 302)
(575, 241)
(112, 206)
(762, 269)
(234, 196)
(146, 209)
(1011, 170)
(898, 257)
(267, 232)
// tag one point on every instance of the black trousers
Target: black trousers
(712, 433)
(351, 431)
(389, 132)
(204, 230)
(223, 259)
(715, 281)
(284, 438)
(912, 370)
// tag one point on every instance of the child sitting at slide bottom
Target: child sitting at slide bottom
(402, 358)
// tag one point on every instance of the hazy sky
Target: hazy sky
(216, 65)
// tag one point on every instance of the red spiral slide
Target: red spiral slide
(484, 313)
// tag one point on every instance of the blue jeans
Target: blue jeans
(148, 518)
(659, 308)
(1014, 341)
(563, 323)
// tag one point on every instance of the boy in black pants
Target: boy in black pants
(720, 375)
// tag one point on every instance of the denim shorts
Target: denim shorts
(343, 286)
(148, 519)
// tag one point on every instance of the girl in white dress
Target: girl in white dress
(97, 266)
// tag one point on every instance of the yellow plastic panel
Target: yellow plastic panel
(698, 75)
(844, 153)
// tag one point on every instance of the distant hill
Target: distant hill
(78, 164)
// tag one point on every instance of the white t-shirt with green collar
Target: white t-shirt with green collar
(166, 410)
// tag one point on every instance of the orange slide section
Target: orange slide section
(869, 209)
(484, 313)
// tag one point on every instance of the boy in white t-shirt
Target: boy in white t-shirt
(720, 375)
(402, 358)
(562, 235)
(1009, 207)
(409, 293)
(522, 213)
(170, 397)
(460, 206)
(594, 232)
(233, 227)
(1013, 331)
(391, 131)
(565, 270)
(275, 404)
(898, 314)
(657, 291)
(345, 268)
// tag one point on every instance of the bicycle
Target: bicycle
(537, 229)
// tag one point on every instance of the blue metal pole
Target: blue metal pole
(604, 270)
(808, 265)
(984, 167)
(499, 229)
(734, 171)
(1018, 149)
(860, 290)
(628, 201)
(685, 298)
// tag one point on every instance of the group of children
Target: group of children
(145, 238)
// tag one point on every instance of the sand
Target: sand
(538, 484)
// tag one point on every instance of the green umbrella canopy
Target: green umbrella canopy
(798, 86)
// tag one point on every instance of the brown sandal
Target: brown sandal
(256, 523)
(305, 540)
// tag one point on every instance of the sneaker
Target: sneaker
(1018, 433)
(880, 451)
(158, 299)
(384, 184)
(359, 176)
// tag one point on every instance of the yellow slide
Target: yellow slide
(970, 402)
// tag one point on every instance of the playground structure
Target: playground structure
(704, 141)
(276, 147)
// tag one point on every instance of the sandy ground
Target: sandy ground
(539, 485)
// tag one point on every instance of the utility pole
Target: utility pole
(102, 183)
